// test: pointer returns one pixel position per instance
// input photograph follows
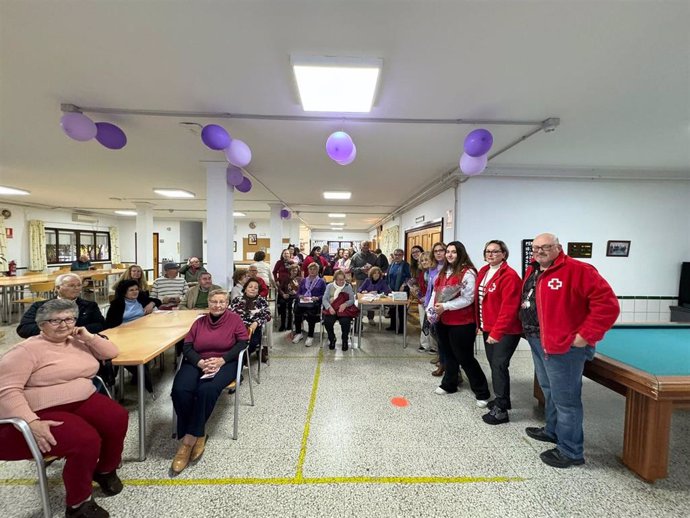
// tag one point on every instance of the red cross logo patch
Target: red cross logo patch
(555, 284)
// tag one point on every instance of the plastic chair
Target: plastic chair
(41, 461)
(39, 292)
(235, 423)
(322, 328)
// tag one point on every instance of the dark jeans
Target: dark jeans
(499, 356)
(194, 398)
(329, 322)
(458, 345)
(311, 316)
(255, 340)
(285, 307)
(560, 379)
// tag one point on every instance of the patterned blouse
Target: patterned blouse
(260, 314)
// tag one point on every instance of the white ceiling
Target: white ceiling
(616, 73)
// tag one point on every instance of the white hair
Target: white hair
(61, 279)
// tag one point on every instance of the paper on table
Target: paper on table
(370, 297)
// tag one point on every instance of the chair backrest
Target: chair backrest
(328, 279)
(39, 288)
(99, 277)
(98, 266)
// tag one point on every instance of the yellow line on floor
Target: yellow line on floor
(307, 421)
(284, 481)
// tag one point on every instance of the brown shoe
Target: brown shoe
(439, 372)
(181, 459)
(198, 448)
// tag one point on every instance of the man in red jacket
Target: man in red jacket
(566, 308)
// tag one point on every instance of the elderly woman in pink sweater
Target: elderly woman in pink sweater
(46, 380)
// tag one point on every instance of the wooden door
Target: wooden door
(155, 256)
(424, 237)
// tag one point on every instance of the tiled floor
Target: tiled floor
(324, 440)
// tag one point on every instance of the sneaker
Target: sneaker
(309, 341)
(556, 459)
(110, 483)
(431, 350)
(440, 391)
(539, 434)
(421, 349)
(88, 509)
(496, 416)
(297, 338)
(331, 345)
(482, 403)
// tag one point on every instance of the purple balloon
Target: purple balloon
(478, 142)
(349, 159)
(473, 165)
(215, 137)
(245, 185)
(339, 146)
(284, 213)
(234, 175)
(78, 126)
(110, 135)
(238, 153)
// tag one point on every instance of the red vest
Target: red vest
(457, 317)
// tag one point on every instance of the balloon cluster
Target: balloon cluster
(477, 145)
(285, 214)
(79, 127)
(340, 148)
(236, 152)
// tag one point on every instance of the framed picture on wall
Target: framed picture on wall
(251, 239)
(234, 246)
(617, 248)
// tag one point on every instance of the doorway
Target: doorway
(424, 236)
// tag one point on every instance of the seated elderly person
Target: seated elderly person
(209, 364)
(197, 296)
(239, 277)
(338, 297)
(308, 304)
(253, 273)
(46, 380)
(254, 311)
(129, 304)
(192, 270)
(81, 264)
(170, 288)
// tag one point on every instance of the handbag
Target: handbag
(350, 311)
(307, 304)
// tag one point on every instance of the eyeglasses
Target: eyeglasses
(439, 250)
(543, 248)
(55, 322)
(75, 286)
(218, 303)
(491, 252)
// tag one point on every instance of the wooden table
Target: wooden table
(140, 341)
(10, 284)
(380, 302)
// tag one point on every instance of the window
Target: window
(66, 245)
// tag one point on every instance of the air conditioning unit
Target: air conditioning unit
(84, 218)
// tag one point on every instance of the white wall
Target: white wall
(433, 209)
(653, 216)
(319, 236)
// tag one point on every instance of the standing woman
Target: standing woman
(498, 297)
(453, 304)
(398, 275)
(254, 311)
(134, 271)
(314, 257)
(282, 267)
(343, 264)
(210, 353)
(419, 285)
(438, 259)
(308, 304)
(287, 292)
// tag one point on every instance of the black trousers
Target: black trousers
(311, 316)
(194, 399)
(329, 323)
(457, 343)
(285, 307)
(397, 314)
(499, 356)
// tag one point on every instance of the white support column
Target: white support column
(276, 231)
(219, 225)
(144, 229)
(293, 231)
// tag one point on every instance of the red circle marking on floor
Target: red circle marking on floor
(400, 401)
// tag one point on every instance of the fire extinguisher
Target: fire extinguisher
(12, 268)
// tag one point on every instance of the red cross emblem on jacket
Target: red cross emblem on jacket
(555, 283)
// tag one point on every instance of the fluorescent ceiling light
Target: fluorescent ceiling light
(337, 195)
(336, 84)
(238, 214)
(126, 212)
(11, 191)
(336, 215)
(174, 193)
(337, 224)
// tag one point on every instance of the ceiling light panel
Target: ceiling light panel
(336, 84)
(337, 195)
(126, 212)
(336, 215)
(175, 193)
(11, 191)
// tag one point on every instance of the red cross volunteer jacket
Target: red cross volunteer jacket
(501, 302)
(572, 298)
